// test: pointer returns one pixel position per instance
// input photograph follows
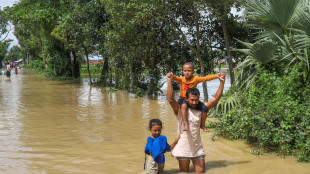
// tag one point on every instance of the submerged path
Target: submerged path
(65, 127)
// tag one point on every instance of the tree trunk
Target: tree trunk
(76, 66)
(202, 68)
(132, 77)
(117, 78)
(152, 84)
(110, 77)
(104, 72)
(127, 79)
(27, 58)
(42, 52)
(231, 69)
(86, 53)
(45, 62)
(73, 71)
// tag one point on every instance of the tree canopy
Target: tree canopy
(139, 40)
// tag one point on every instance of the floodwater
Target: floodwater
(68, 128)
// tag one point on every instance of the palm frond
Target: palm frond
(292, 54)
(263, 51)
(246, 44)
(302, 38)
(246, 73)
(273, 16)
(226, 103)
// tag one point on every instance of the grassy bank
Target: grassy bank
(95, 71)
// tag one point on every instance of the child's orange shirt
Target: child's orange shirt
(185, 85)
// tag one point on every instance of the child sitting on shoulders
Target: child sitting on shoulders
(191, 81)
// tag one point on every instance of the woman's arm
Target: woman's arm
(171, 100)
(219, 92)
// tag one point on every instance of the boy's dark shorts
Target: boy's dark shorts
(201, 106)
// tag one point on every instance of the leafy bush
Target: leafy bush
(37, 65)
(94, 69)
(58, 66)
(274, 114)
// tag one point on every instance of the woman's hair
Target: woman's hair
(154, 122)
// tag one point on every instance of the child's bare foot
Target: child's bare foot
(185, 127)
(205, 129)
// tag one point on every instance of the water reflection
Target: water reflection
(11, 144)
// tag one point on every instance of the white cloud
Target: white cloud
(5, 3)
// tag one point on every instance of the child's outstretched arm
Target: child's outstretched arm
(206, 78)
(175, 142)
(177, 79)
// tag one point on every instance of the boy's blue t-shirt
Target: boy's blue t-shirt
(157, 146)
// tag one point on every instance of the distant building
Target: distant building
(94, 62)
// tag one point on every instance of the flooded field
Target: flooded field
(61, 127)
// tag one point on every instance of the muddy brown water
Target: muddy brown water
(61, 127)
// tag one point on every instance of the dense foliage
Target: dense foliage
(3, 50)
(34, 23)
(14, 53)
(274, 114)
(4, 31)
(269, 103)
(139, 40)
(147, 39)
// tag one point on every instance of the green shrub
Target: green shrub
(274, 114)
(94, 69)
(37, 65)
(58, 66)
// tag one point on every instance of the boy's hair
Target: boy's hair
(154, 122)
(193, 91)
(190, 64)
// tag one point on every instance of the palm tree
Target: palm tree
(283, 35)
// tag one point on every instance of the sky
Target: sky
(4, 3)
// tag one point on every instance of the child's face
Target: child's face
(156, 131)
(188, 71)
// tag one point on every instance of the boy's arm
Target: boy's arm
(177, 79)
(175, 142)
(218, 93)
(206, 78)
